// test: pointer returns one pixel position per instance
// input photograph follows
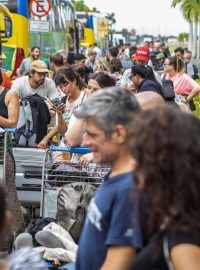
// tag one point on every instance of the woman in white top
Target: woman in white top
(71, 85)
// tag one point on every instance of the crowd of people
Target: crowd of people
(145, 213)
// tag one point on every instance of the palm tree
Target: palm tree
(191, 12)
(111, 22)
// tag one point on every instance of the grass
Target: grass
(197, 103)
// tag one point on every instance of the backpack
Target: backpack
(72, 202)
(168, 92)
(34, 116)
(196, 71)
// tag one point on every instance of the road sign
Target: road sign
(40, 8)
(39, 26)
(102, 27)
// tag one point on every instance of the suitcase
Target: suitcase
(29, 163)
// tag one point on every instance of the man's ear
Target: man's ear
(119, 134)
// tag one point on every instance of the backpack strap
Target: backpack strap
(164, 77)
(82, 98)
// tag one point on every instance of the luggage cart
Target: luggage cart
(4, 135)
(56, 174)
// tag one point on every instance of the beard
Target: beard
(35, 57)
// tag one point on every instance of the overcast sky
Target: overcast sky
(146, 16)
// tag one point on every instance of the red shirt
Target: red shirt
(6, 80)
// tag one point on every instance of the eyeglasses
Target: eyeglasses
(166, 65)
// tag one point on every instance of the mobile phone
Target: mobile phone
(56, 101)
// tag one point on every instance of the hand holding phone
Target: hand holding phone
(56, 101)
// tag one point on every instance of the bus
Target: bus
(91, 22)
(62, 31)
(5, 28)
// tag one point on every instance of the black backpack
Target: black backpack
(33, 119)
(168, 89)
(196, 71)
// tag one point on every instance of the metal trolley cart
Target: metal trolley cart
(58, 173)
(4, 136)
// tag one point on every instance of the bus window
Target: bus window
(61, 34)
(8, 27)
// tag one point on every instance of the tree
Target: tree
(191, 12)
(111, 22)
(80, 6)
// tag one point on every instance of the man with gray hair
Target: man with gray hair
(112, 232)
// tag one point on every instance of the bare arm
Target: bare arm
(193, 94)
(61, 125)
(12, 103)
(186, 256)
(118, 258)
(43, 143)
(74, 135)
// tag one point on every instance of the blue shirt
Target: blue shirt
(109, 222)
(25, 65)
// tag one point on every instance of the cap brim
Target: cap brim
(39, 70)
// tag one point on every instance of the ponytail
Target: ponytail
(79, 81)
(180, 68)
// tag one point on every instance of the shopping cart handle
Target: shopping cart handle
(10, 130)
(78, 150)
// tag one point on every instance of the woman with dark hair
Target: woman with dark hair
(9, 112)
(144, 80)
(56, 61)
(97, 81)
(184, 85)
(116, 71)
(166, 148)
(71, 85)
(74, 136)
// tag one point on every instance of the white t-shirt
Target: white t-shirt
(69, 119)
(70, 107)
(23, 88)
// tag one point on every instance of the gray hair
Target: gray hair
(109, 107)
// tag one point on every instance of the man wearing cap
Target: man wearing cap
(142, 56)
(160, 59)
(36, 82)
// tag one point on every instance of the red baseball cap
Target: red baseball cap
(142, 54)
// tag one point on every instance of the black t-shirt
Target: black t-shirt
(3, 107)
(149, 85)
(152, 256)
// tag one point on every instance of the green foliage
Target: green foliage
(111, 19)
(182, 37)
(80, 6)
(190, 9)
(197, 103)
